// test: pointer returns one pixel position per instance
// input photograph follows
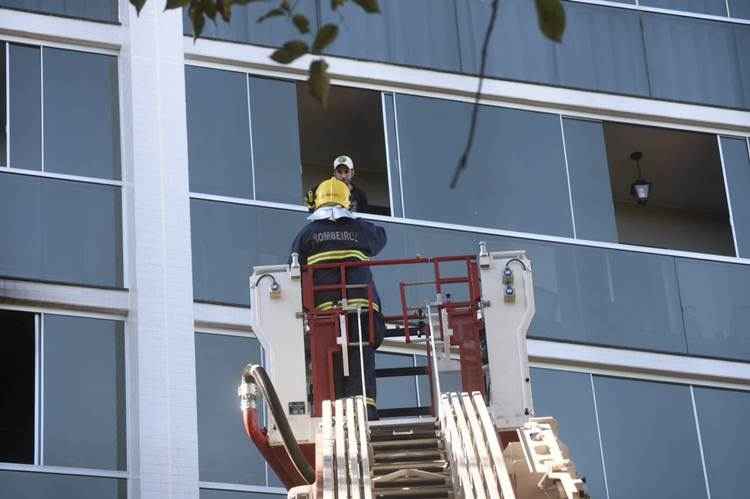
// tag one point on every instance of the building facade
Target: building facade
(142, 174)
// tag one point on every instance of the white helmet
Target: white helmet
(343, 160)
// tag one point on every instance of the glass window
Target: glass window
(693, 60)
(17, 389)
(218, 132)
(589, 180)
(685, 207)
(736, 154)
(389, 101)
(24, 485)
(84, 392)
(642, 449)
(739, 8)
(231, 494)
(25, 89)
(228, 239)
(61, 231)
(352, 125)
(416, 33)
(245, 28)
(567, 397)
(226, 455)
(723, 419)
(712, 7)
(396, 392)
(3, 105)
(716, 308)
(276, 140)
(515, 178)
(100, 10)
(81, 129)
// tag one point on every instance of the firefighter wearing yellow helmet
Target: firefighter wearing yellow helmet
(334, 234)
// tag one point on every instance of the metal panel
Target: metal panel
(739, 8)
(218, 132)
(589, 178)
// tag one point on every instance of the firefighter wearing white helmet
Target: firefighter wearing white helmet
(343, 169)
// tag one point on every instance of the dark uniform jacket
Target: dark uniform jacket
(358, 199)
(346, 239)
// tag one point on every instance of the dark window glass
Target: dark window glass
(736, 153)
(515, 178)
(276, 140)
(84, 392)
(416, 33)
(716, 307)
(25, 89)
(99, 10)
(24, 485)
(393, 156)
(3, 108)
(641, 450)
(218, 132)
(17, 388)
(693, 60)
(712, 7)
(228, 239)
(739, 8)
(398, 391)
(244, 26)
(225, 453)
(589, 180)
(81, 125)
(723, 418)
(231, 494)
(567, 397)
(60, 231)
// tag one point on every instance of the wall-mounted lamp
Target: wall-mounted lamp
(641, 188)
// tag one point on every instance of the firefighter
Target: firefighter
(334, 234)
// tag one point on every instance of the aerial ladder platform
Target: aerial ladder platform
(478, 437)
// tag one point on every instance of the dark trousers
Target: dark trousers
(351, 386)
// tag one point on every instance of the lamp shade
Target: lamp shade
(640, 190)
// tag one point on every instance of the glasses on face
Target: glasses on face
(342, 170)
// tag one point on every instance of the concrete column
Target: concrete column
(163, 436)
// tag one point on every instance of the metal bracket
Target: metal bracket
(343, 340)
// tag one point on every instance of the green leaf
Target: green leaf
(138, 4)
(326, 35)
(319, 81)
(551, 16)
(209, 9)
(198, 20)
(225, 9)
(174, 4)
(335, 4)
(370, 6)
(271, 13)
(302, 23)
(290, 51)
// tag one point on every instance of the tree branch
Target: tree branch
(461, 166)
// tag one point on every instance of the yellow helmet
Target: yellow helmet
(332, 192)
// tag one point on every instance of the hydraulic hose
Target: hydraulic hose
(255, 374)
